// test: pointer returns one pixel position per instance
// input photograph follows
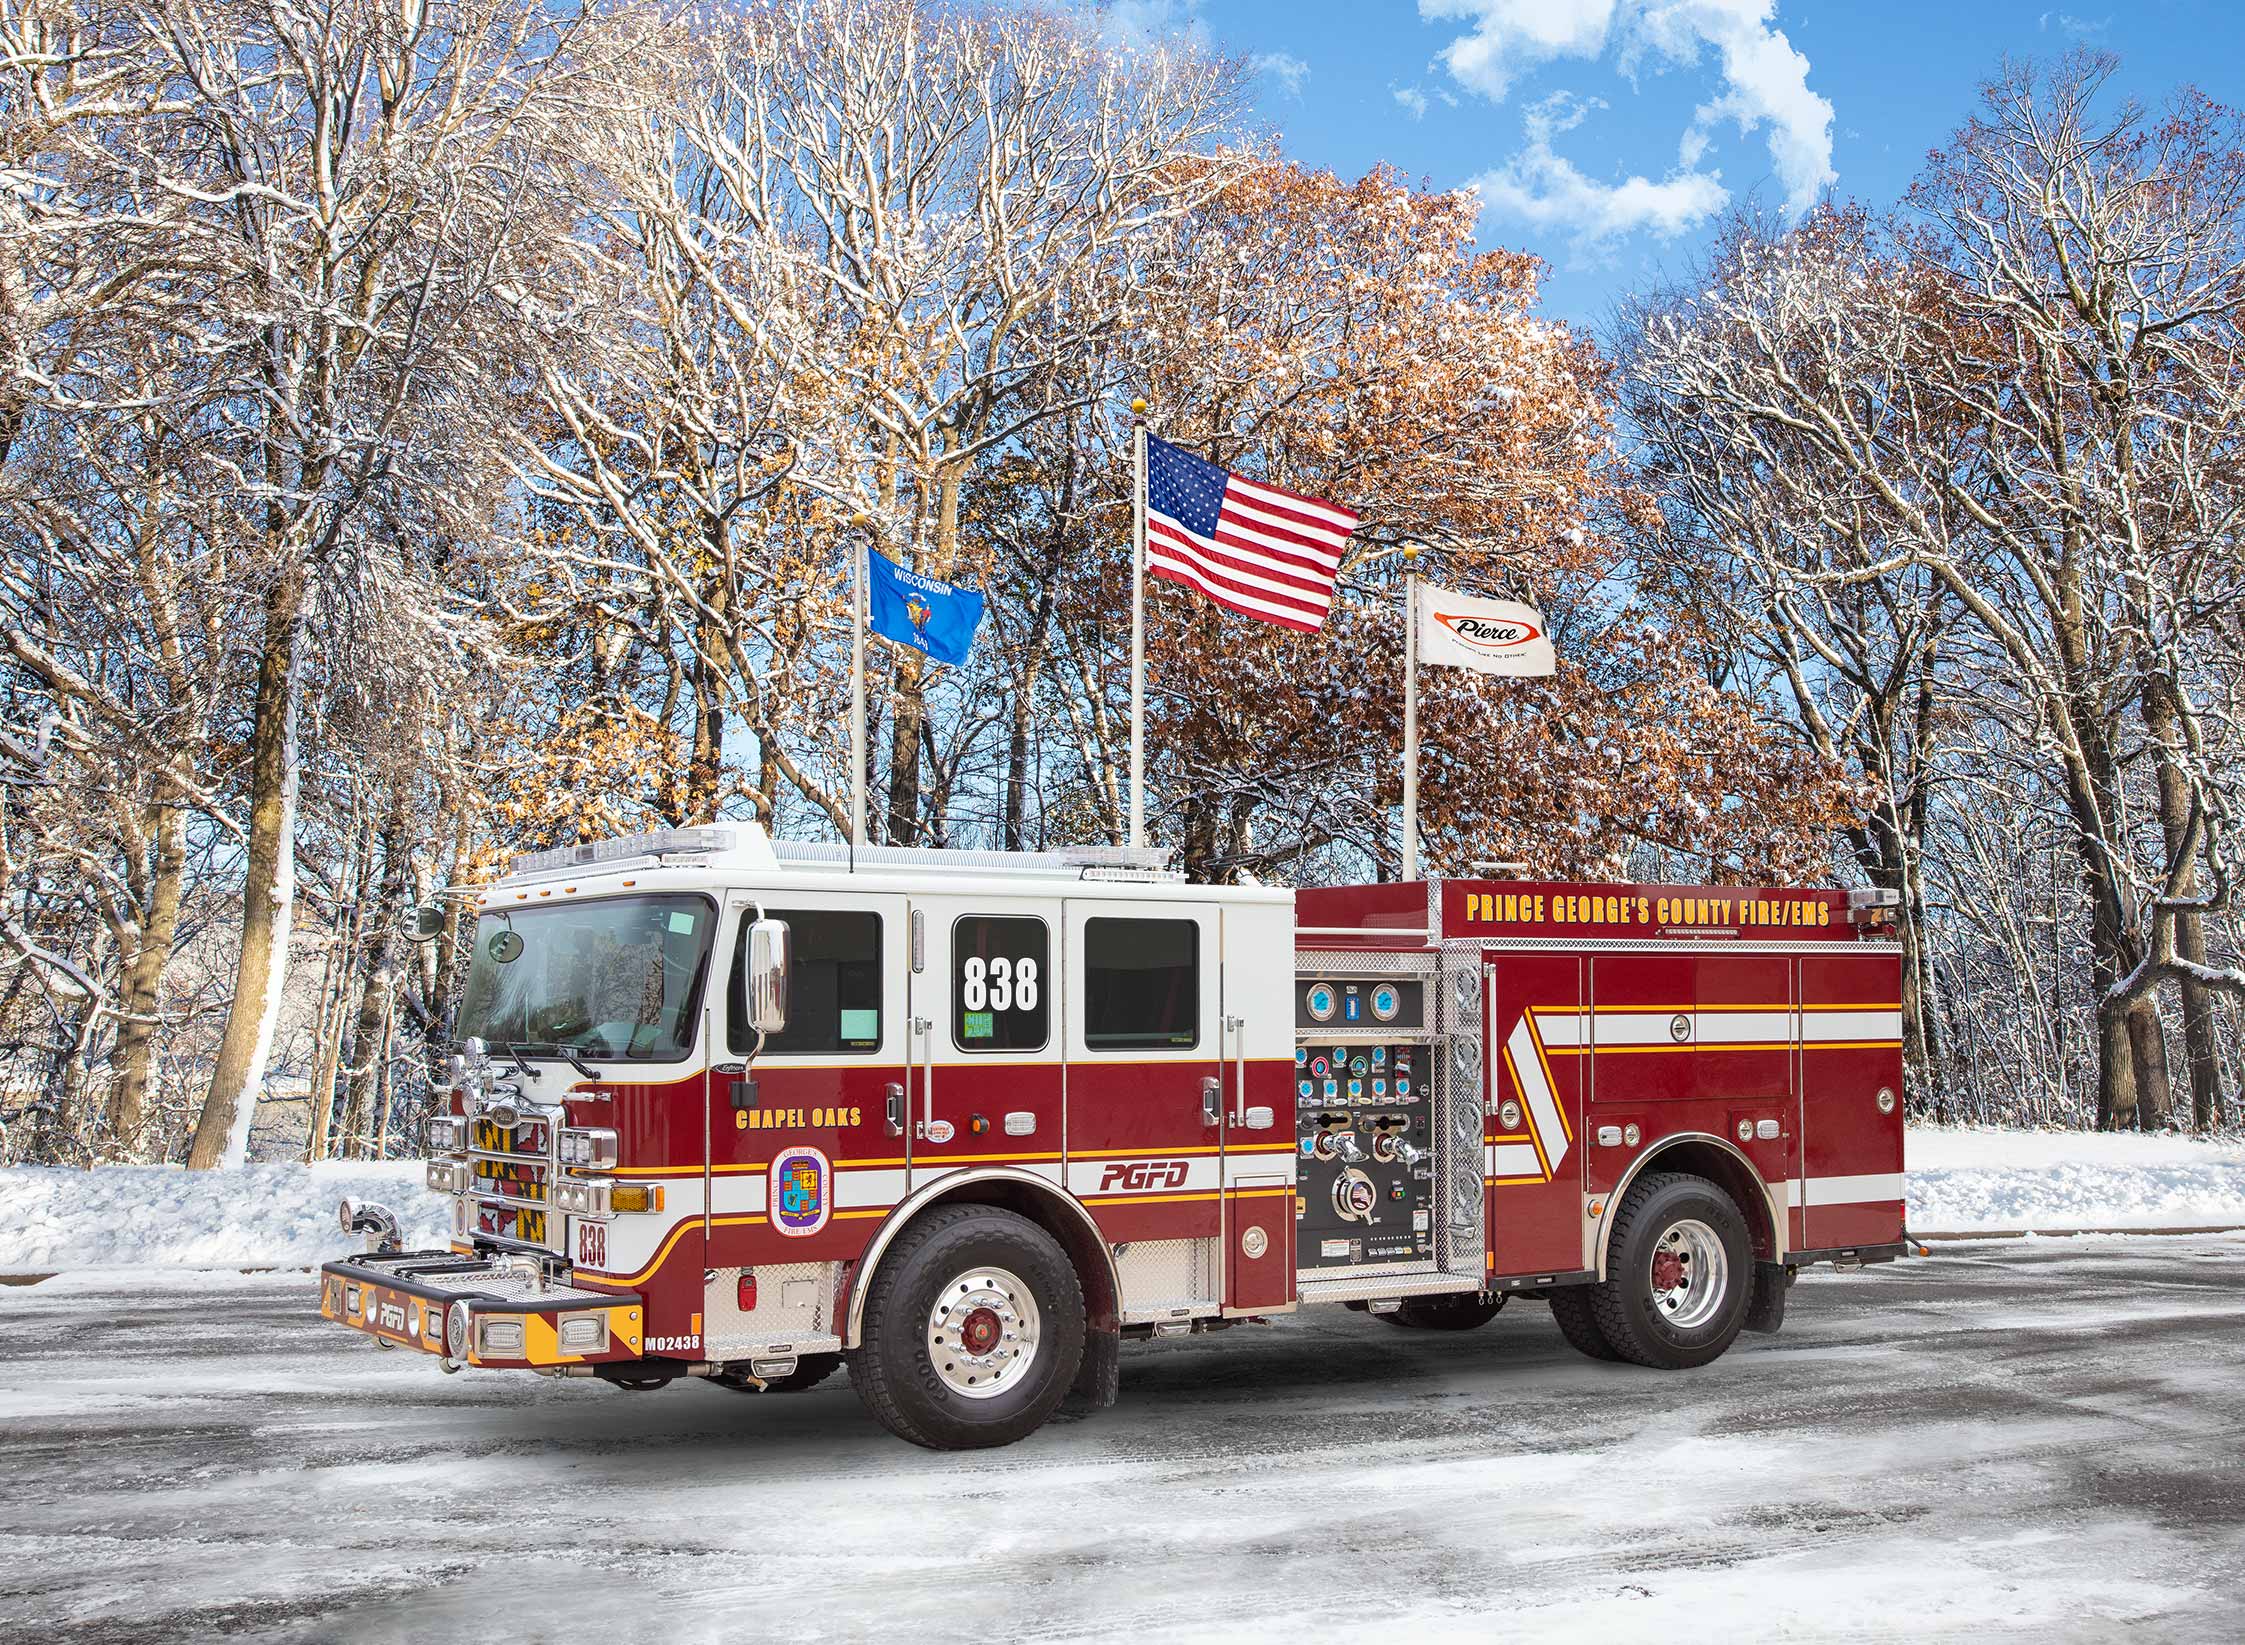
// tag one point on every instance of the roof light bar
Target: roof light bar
(653, 842)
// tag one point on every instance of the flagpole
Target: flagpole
(1138, 624)
(1410, 711)
(860, 525)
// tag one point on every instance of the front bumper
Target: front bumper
(472, 1312)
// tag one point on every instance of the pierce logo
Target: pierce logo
(1167, 1173)
(800, 1192)
(1484, 635)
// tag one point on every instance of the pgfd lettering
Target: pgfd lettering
(1167, 1173)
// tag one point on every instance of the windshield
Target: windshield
(618, 978)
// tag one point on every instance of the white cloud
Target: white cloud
(1764, 79)
(1541, 187)
(2074, 28)
(1513, 34)
(1413, 100)
(1284, 67)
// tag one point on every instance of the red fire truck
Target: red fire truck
(965, 1121)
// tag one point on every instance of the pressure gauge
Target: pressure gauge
(1387, 1000)
(1323, 1002)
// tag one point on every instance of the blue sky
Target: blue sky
(1604, 133)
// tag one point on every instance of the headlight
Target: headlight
(583, 1333)
(446, 1134)
(499, 1336)
(449, 1176)
(589, 1148)
(580, 1199)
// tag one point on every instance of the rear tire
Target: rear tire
(1679, 1274)
(974, 1330)
(1462, 1312)
(1578, 1322)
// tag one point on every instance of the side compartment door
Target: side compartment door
(1148, 1100)
(1260, 1152)
(1693, 1044)
(986, 1084)
(1851, 1053)
(1538, 1037)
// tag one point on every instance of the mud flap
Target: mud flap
(1098, 1381)
(1765, 1311)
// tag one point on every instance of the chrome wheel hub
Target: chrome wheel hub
(983, 1332)
(1690, 1274)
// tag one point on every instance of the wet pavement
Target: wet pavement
(2039, 1439)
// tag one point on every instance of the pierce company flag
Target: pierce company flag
(1491, 636)
(1251, 548)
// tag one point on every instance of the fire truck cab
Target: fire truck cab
(747, 1111)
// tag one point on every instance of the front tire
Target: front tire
(973, 1330)
(1679, 1274)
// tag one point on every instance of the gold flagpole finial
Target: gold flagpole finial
(1138, 408)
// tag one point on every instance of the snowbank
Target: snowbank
(259, 1216)
(1965, 1180)
(283, 1216)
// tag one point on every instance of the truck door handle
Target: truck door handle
(1211, 1100)
(896, 1109)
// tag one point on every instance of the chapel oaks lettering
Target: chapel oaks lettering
(1629, 909)
(794, 1119)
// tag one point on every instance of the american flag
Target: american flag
(1251, 548)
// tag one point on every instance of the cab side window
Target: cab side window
(1141, 984)
(834, 985)
(1001, 998)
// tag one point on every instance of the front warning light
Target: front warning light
(635, 1196)
(748, 1291)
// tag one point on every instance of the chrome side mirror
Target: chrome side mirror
(428, 922)
(767, 976)
(469, 1067)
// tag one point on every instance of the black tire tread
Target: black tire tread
(1578, 1323)
(1608, 1300)
(924, 1240)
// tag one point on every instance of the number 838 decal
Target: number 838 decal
(998, 984)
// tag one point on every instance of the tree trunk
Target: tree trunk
(378, 979)
(135, 1053)
(1022, 733)
(2147, 1045)
(268, 889)
(904, 748)
(336, 977)
(2116, 1079)
(2201, 1045)
(705, 770)
(383, 1096)
(2116, 1072)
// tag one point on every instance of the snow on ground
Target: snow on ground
(2023, 1442)
(120, 1216)
(283, 1216)
(1966, 1180)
